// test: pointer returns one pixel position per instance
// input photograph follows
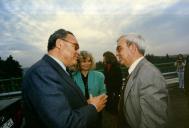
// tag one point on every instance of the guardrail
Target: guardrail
(166, 67)
(10, 85)
(171, 78)
(169, 73)
(163, 64)
(10, 94)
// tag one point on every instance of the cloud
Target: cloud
(27, 25)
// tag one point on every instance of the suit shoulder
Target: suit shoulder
(150, 73)
(149, 67)
(39, 66)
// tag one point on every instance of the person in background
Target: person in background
(180, 63)
(89, 81)
(144, 102)
(51, 98)
(113, 80)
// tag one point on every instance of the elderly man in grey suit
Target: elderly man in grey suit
(145, 98)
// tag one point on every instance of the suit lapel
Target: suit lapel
(63, 75)
(128, 87)
(132, 77)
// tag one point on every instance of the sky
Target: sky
(25, 25)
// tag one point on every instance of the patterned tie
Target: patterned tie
(122, 123)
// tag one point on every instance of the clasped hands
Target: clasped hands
(99, 101)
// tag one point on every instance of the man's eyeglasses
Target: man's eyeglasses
(76, 45)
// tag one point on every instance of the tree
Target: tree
(167, 57)
(10, 68)
(100, 66)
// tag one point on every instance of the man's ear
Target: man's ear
(58, 43)
(132, 47)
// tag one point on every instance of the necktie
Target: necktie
(122, 120)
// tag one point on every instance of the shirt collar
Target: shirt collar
(133, 65)
(59, 62)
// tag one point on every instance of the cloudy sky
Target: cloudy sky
(25, 25)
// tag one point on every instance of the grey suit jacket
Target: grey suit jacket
(146, 97)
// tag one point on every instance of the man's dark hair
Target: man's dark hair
(59, 34)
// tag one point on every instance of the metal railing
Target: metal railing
(10, 85)
(171, 78)
(10, 94)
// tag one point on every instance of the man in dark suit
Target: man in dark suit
(51, 98)
(145, 98)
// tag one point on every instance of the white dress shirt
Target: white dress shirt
(133, 65)
(60, 63)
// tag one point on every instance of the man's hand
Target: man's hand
(99, 101)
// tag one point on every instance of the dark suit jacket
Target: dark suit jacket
(51, 98)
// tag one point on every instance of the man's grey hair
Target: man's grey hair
(138, 40)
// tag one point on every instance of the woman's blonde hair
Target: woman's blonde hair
(84, 55)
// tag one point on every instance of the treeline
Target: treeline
(10, 68)
(150, 57)
(160, 59)
(153, 59)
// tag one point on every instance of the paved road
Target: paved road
(178, 110)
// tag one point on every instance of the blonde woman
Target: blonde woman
(89, 81)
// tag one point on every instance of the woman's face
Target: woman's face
(85, 64)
